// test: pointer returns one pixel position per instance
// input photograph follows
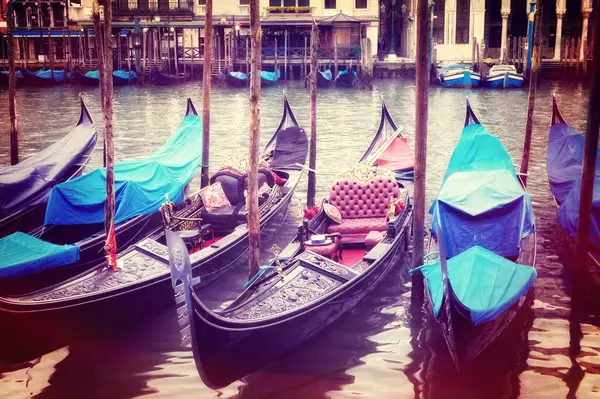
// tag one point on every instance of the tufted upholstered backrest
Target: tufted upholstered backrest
(234, 183)
(371, 200)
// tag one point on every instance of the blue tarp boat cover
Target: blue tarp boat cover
(565, 157)
(124, 74)
(59, 75)
(485, 283)
(345, 72)
(481, 201)
(29, 182)
(119, 74)
(239, 75)
(22, 254)
(18, 73)
(327, 74)
(140, 186)
(270, 75)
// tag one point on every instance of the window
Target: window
(360, 3)
(289, 3)
(438, 22)
(463, 17)
(303, 3)
(330, 4)
(201, 2)
(274, 3)
(75, 3)
(244, 2)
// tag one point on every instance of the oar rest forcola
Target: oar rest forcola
(221, 206)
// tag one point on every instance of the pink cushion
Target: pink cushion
(369, 201)
(358, 226)
(324, 250)
(373, 238)
(214, 197)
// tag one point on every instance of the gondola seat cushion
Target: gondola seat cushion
(226, 216)
(328, 250)
(373, 238)
(214, 197)
(363, 207)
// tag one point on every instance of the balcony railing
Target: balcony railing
(344, 52)
(289, 10)
(154, 7)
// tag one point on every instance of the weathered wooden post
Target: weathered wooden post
(51, 55)
(275, 66)
(252, 199)
(285, 55)
(175, 55)
(119, 51)
(206, 83)
(589, 161)
(312, 160)
(247, 54)
(304, 59)
(335, 59)
(128, 37)
(422, 80)
(533, 79)
(100, 55)
(144, 54)
(12, 86)
(474, 52)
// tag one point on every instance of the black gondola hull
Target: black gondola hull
(31, 79)
(226, 351)
(322, 81)
(347, 80)
(232, 81)
(161, 79)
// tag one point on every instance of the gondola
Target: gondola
(163, 79)
(26, 186)
(389, 149)
(483, 225)
(90, 78)
(4, 78)
(564, 163)
(320, 276)
(269, 78)
(142, 286)
(236, 79)
(72, 238)
(346, 78)
(44, 77)
(503, 76)
(457, 75)
(324, 78)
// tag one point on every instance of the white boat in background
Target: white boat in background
(504, 76)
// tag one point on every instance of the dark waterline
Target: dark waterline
(388, 347)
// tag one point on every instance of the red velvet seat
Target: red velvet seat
(363, 207)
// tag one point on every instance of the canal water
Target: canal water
(388, 347)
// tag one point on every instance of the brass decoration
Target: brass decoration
(363, 174)
(277, 251)
(241, 164)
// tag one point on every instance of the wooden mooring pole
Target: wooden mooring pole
(589, 159)
(252, 200)
(312, 161)
(533, 80)
(206, 83)
(275, 66)
(12, 86)
(422, 80)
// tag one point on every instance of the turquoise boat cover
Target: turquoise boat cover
(239, 75)
(124, 74)
(22, 254)
(483, 282)
(59, 75)
(93, 74)
(270, 76)
(345, 72)
(140, 186)
(481, 201)
(327, 74)
(565, 158)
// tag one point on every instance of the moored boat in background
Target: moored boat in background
(564, 164)
(346, 78)
(457, 75)
(26, 186)
(163, 79)
(269, 78)
(91, 78)
(45, 77)
(217, 239)
(72, 239)
(236, 79)
(324, 78)
(505, 76)
(4, 78)
(484, 225)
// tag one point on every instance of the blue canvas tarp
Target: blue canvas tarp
(270, 76)
(22, 254)
(28, 183)
(485, 283)
(124, 74)
(239, 75)
(327, 74)
(59, 75)
(140, 186)
(481, 201)
(565, 157)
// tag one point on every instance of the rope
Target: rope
(258, 274)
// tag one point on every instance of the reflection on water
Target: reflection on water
(388, 347)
